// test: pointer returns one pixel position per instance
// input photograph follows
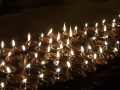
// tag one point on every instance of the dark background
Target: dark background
(18, 17)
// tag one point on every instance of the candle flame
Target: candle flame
(94, 38)
(118, 42)
(41, 75)
(96, 31)
(119, 15)
(36, 55)
(86, 62)
(116, 49)
(100, 49)
(58, 36)
(29, 37)
(9, 54)
(68, 41)
(72, 53)
(114, 20)
(43, 63)
(8, 70)
(70, 32)
(28, 65)
(3, 63)
(48, 49)
(113, 25)
(58, 54)
(103, 21)
(76, 28)
(39, 44)
(85, 32)
(13, 43)
(50, 40)
(61, 46)
(96, 25)
(105, 28)
(68, 64)
(89, 47)
(23, 47)
(64, 28)
(42, 35)
(105, 43)
(2, 44)
(58, 70)
(24, 80)
(49, 32)
(95, 56)
(57, 62)
(2, 84)
(82, 49)
(86, 25)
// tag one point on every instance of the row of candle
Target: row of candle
(58, 56)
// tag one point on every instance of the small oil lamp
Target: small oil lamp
(105, 45)
(28, 86)
(99, 61)
(89, 67)
(50, 55)
(15, 77)
(12, 58)
(3, 83)
(31, 43)
(64, 29)
(76, 59)
(113, 25)
(116, 52)
(75, 30)
(117, 44)
(82, 54)
(103, 22)
(32, 71)
(86, 27)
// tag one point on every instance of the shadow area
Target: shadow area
(13, 6)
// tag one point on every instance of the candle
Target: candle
(105, 45)
(3, 83)
(13, 44)
(31, 43)
(99, 60)
(117, 44)
(89, 67)
(82, 52)
(75, 30)
(64, 29)
(103, 22)
(86, 27)
(13, 58)
(15, 77)
(28, 86)
(32, 71)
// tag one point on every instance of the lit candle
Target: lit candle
(50, 32)
(89, 48)
(75, 30)
(96, 25)
(82, 51)
(103, 22)
(105, 45)
(86, 27)
(113, 25)
(96, 32)
(70, 32)
(89, 67)
(13, 44)
(99, 60)
(117, 44)
(58, 36)
(116, 51)
(2, 85)
(64, 29)
(68, 64)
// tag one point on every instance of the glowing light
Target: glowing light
(3, 63)
(23, 47)
(61, 46)
(39, 44)
(36, 55)
(70, 32)
(105, 28)
(100, 49)
(43, 63)
(72, 53)
(9, 54)
(86, 25)
(49, 32)
(103, 21)
(64, 28)
(68, 64)
(42, 35)
(85, 32)
(82, 49)
(13, 43)
(58, 54)
(41, 75)
(28, 65)
(2, 84)
(2, 44)
(50, 40)
(75, 28)
(68, 41)
(95, 56)
(58, 70)
(58, 36)
(29, 37)
(25, 80)
(8, 70)
(96, 25)
(48, 49)
(86, 62)
(105, 43)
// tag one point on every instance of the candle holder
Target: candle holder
(88, 66)
(15, 77)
